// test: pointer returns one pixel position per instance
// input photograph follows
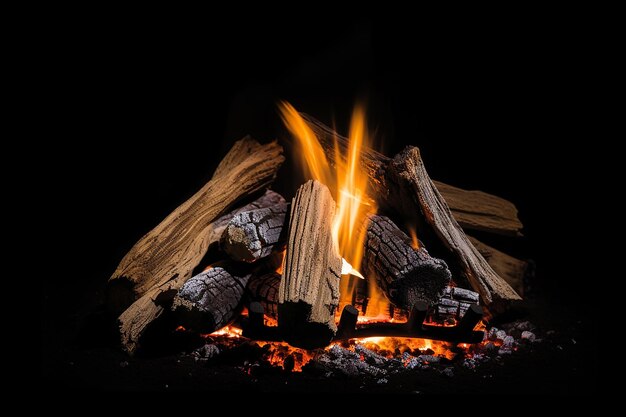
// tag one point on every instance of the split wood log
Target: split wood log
(404, 274)
(513, 270)
(309, 291)
(473, 210)
(134, 321)
(136, 318)
(252, 235)
(477, 210)
(212, 299)
(264, 290)
(176, 246)
(402, 184)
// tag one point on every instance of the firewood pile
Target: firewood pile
(278, 259)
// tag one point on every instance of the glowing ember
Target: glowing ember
(391, 347)
(228, 331)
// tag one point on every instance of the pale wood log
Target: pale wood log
(404, 274)
(252, 235)
(309, 290)
(477, 210)
(136, 318)
(513, 270)
(176, 246)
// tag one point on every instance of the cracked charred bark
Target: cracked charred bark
(405, 275)
(252, 235)
(264, 289)
(212, 299)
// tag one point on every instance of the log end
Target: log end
(210, 300)
(298, 331)
(423, 284)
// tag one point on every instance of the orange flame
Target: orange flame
(347, 181)
(415, 243)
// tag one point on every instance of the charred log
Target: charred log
(264, 290)
(252, 235)
(405, 275)
(211, 300)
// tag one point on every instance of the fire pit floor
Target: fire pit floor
(76, 357)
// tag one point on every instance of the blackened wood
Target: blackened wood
(175, 247)
(405, 275)
(263, 289)
(450, 334)
(474, 210)
(347, 322)
(452, 305)
(471, 318)
(216, 229)
(136, 318)
(211, 300)
(309, 290)
(252, 235)
(417, 316)
(256, 319)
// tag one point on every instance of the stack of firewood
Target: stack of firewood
(258, 233)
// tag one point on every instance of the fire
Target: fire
(228, 331)
(350, 187)
(391, 347)
(415, 243)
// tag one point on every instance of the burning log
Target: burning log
(309, 291)
(211, 299)
(406, 275)
(264, 290)
(473, 210)
(402, 184)
(176, 246)
(252, 235)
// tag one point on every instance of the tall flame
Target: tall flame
(347, 182)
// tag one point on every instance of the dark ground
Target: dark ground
(157, 112)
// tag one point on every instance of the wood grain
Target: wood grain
(309, 290)
(175, 247)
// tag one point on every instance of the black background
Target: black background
(154, 107)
